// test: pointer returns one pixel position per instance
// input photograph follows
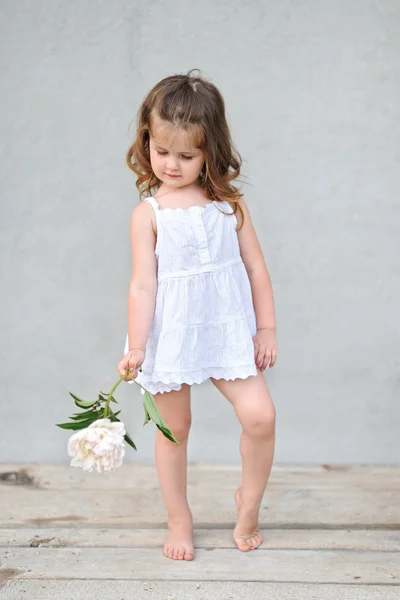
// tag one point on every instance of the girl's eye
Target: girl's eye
(165, 153)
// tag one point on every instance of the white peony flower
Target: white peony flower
(100, 446)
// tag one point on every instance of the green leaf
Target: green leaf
(150, 406)
(104, 397)
(75, 424)
(75, 397)
(90, 411)
(110, 414)
(146, 416)
(91, 415)
(167, 433)
(129, 440)
(113, 416)
(152, 411)
(82, 403)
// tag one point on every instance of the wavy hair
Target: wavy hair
(186, 101)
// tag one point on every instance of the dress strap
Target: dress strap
(153, 202)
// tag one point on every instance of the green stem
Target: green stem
(143, 388)
(105, 413)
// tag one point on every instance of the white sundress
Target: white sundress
(204, 318)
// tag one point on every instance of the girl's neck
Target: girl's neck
(193, 191)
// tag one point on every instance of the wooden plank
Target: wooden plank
(193, 590)
(130, 476)
(78, 537)
(307, 566)
(210, 506)
(107, 527)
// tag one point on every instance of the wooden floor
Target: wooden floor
(330, 533)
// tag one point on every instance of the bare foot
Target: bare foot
(246, 534)
(179, 542)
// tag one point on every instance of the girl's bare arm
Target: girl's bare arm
(143, 284)
(257, 271)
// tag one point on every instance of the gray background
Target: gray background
(312, 95)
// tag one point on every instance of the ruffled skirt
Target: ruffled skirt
(203, 327)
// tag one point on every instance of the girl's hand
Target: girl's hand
(131, 362)
(265, 348)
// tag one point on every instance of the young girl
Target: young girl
(200, 303)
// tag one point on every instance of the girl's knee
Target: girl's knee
(181, 432)
(180, 429)
(174, 408)
(261, 424)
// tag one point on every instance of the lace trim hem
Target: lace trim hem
(162, 381)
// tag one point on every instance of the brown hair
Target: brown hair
(184, 101)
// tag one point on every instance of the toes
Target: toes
(253, 542)
(243, 547)
(177, 553)
(256, 540)
(241, 544)
(250, 542)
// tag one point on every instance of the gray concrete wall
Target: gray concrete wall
(312, 91)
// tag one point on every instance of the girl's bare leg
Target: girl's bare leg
(255, 410)
(171, 462)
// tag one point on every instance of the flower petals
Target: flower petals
(100, 446)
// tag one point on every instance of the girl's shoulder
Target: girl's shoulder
(142, 210)
(143, 216)
(241, 211)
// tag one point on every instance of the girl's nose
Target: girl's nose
(172, 164)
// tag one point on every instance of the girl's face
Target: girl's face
(174, 158)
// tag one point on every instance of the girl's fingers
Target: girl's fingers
(131, 363)
(122, 372)
(124, 366)
(121, 369)
(129, 377)
(266, 361)
(132, 370)
(256, 348)
(273, 358)
(260, 357)
(266, 364)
